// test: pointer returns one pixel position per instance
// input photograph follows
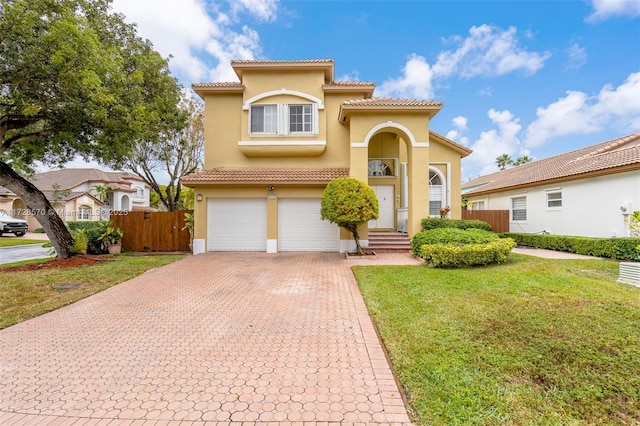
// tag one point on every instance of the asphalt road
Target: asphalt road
(25, 252)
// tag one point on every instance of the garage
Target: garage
(237, 224)
(301, 229)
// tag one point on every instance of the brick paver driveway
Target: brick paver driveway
(220, 338)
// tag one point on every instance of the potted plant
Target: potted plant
(112, 240)
(188, 224)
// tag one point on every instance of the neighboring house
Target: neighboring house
(72, 193)
(588, 192)
(276, 138)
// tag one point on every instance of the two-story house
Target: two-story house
(74, 193)
(275, 139)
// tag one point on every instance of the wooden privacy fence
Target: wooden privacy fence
(152, 231)
(498, 219)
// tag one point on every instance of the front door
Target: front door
(386, 206)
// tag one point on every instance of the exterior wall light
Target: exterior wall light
(199, 197)
(269, 187)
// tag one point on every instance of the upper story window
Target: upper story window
(264, 119)
(554, 199)
(384, 167)
(139, 192)
(300, 118)
(478, 205)
(284, 119)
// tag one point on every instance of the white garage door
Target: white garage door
(301, 229)
(237, 224)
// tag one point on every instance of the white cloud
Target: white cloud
(460, 127)
(187, 28)
(577, 56)
(232, 46)
(577, 113)
(352, 76)
(488, 51)
(605, 9)
(264, 10)
(460, 122)
(414, 83)
(496, 142)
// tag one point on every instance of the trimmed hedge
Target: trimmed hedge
(436, 222)
(450, 235)
(622, 248)
(456, 255)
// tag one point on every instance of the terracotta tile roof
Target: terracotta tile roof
(218, 84)
(350, 83)
(252, 175)
(279, 62)
(606, 157)
(391, 102)
(70, 178)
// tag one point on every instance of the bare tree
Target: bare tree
(177, 155)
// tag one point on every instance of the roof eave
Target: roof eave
(327, 66)
(203, 89)
(596, 173)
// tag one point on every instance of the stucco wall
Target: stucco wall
(590, 207)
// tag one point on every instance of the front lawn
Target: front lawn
(26, 294)
(532, 341)
(19, 241)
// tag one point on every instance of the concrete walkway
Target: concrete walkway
(218, 338)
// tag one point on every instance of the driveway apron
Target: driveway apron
(212, 339)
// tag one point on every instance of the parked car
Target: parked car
(11, 225)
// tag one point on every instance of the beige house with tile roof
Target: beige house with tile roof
(587, 192)
(275, 139)
(72, 193)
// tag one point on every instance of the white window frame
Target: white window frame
(280, 122)
(437, 195)
(84, 212)
(478, 205)
(139, 192)
(554, 202)
(518, 206)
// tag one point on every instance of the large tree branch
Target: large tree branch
(14, 122)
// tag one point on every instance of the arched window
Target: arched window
(84, 213)
(380, 168)
(437, 198)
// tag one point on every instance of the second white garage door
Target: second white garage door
(301, 229)
(237, 224)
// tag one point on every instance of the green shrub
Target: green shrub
(77, 225)
(623, 248)
(450, 235)
(455, 255)
(472, 224)
(94, 231)
(436, 222)
(39, 231)
(80, 241)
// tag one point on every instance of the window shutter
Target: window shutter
(315, 119)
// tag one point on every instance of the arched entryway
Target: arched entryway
(125, 203)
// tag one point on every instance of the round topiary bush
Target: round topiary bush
(453, 247)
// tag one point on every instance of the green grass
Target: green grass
(530, 342)
(18, 241)
(24, 295)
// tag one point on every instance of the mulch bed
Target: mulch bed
(72, 262)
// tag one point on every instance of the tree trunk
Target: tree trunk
(41, 208)
(356, 238)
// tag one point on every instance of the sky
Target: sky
(536, 78)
